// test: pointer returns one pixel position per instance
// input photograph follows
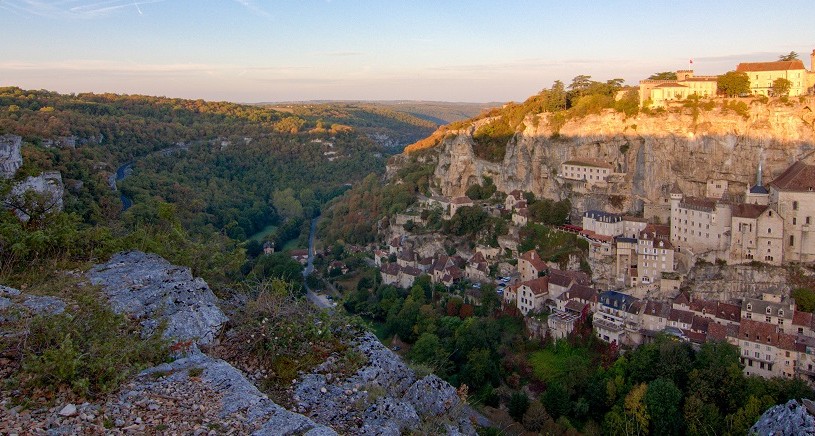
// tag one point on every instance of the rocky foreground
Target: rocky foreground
(198, 394)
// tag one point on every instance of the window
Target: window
(792, 240)
(749, 306)
(807, 220)
(768, 310)
(794, 205)
(794, 221)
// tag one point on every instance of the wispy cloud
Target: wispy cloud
(253, 7)
(74, 8)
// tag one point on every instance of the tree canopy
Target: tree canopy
(733, 83)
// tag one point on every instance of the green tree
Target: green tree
(664, 75)
(518, 404)
(791, 56)
(804, 299)
(556, 400)
(702, 418)
(663, 400)
(781, 87)
(733, 83)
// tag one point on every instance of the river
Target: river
(126, 168)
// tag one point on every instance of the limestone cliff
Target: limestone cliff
(10, 157)
(648, 152)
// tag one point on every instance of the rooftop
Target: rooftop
(588, 163)
(798, 177)
(770, 66)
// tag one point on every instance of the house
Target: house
(390, 273)
(531, 266)
(580, 293)
(655, 253)
(765, 350)
(338, 266)
(395, 245)
(457, 203)
(763, 74)
(520, 216)
(591, 171)
(477, 268)
(380, 256)
(771, 309)
(700, 225)
(617, 317)
(300, 255)
(756, 234)
(512, 199)
(659, 92)
(562, 323)
(531, 294)
(792, 194)
(268, 247)
(654, 317)
(407, 258)
(408, 275)
(626, 271)
(452, 276)
(597, 222)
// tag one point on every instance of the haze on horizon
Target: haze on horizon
(476, 51)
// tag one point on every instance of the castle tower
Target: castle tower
(758, 194)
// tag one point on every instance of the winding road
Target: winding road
(318, 300)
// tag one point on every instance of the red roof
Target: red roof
(730, 312)
(682, 316)
(390, 269)
(751, 211)
(462, 200)
(538, 286)
(534, 258)
(770, 66)
(803, 319)
(765, 333)
(798, 177)
(716, 331)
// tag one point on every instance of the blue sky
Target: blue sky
(279, 50)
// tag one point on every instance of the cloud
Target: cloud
(66, 9)
(252, 7)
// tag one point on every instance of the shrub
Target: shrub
(90, 351)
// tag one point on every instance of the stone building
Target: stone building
(700, 225)
(659, 92)
(655, 254)
(756, 234)
(531, 266)
(792, 194)
(593, 172)
(763, 74)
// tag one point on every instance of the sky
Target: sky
(442, 50)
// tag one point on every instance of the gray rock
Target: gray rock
(148, 287)
(47, 189)
(5, 303)
(44, 305)
(785, 419)
(10, 157)
(239, 395)
(432, 396)
(5, 291)
(68, 410)
(387, 410)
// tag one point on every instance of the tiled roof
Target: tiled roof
(440, 263)
(682, 298)
(588, 163)
(411, 271)
(702, 203)
(575, 306)
(390, 269)
(655, 308)
(803, 319)
(580, 292)
(716, 331)
(727, 311)
(700, 323)
(562, 280)
(517, 194)
(703, 306)
(538, 286)
(770, 66)
(798, 177)
(682, 316)
(477, 258)
(299, 252)
(670, 85)
(765, 333)
(751, 211)
(534, 258)
(675, 189)
(617, 300)
(462, 200)
(603, 216)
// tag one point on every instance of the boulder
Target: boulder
(785, 419)
(147, 287)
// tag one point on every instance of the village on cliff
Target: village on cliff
(772, 225)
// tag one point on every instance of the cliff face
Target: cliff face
(650, 152)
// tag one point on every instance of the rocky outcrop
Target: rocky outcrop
(13, 303)
(147, 287)
(10, 157)
(649, 153)
(382, 397)
(789, 419)
(731, 283)
(36, 196)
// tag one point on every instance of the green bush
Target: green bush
(91, 351)
(491, 139)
